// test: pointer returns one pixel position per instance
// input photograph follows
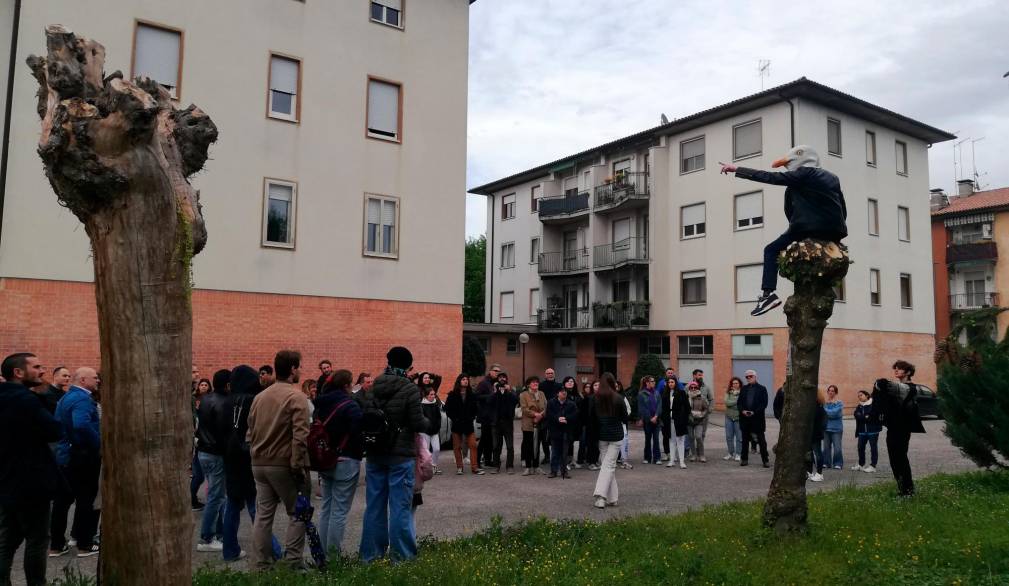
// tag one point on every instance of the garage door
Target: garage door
(765, 376)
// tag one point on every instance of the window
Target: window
(692, 219)
(381, 220)
(512, 345)
(621, 290)
(388, 12)
(748, 282)
(484, 343)
(901, 158)
(873, 217)
(385, 102)
(654, 345)
(874, 293)
(534, 301)
(834, 137)
(279, 213)
(746, 140)
(751, 340)
(536, 194)
(570, 186)
(839, 293)
(534, 251)
(507, 307)
(692, 155)
(903, 224)
(621, 234)
(508, 207)
(621, 168)
(870, 148)
(508, 255)
(285, 80)
(693, 288)
(905, 290)
(749, 210)
(157, 54)
(696, 345)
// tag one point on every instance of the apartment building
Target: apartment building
(640, 245)
(968, 229)
(328, 230)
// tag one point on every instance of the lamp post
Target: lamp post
(523, 339)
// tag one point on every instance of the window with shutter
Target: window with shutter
(874, 292)
(534, 301)
(746, 140)
(284, 76)
(388, 12)
(834, 137)
(692, 220)
(279, 213)
(870, 148)
(534, 251)
(903, 224)
(157, 54)
(508, 207)
(507, 308)
(692, 155)
(693, 288)
(381, 233)
(749, 210)
(622, 233)
(901, 149)
(748, 282)
(384, 110)
(905, 291)
(508, 255)
(535, 194)
(873, 217)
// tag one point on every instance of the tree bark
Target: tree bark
(118, 155)
(814, 266)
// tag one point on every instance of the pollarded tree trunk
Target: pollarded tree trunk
(118, 155)
(814, 266)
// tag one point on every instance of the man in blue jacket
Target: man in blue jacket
(79, 457)
(28, 476)
(814, 206)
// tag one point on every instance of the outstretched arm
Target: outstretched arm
(772, 178)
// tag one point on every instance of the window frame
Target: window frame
(906, 223)
(901, 146)
(509, 341)
(683, 227)
(664, 344)
(683, 289)
(402, 15)
(735, 218)
(707, 341)
(394, 255)
(295, 118)
(534, 251)
(874, 273)
(398, 139)
(504, 206)
(293, 218)
(534, 205)
(704, 155)
(840, 292)
(740, 125)
(872, 163)
(533, 309)
(137, 23)
(910, 291)
(735, 280)
(840, 143)
(872, 215)
(500, 306)
(503, 246)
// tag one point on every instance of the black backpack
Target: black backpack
(378, 433)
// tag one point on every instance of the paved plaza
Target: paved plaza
(461, 505)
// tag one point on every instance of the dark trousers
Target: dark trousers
(667, 432)
(28, 523)
(544, 439)
(82, 476)
(752, 437)
(504, 436)
(530, 451)
(197, 479)
(816, 462)
(896, 447)
(485, 449)
(558, 449)
(873, 441)
(652, 453)
(769, 281)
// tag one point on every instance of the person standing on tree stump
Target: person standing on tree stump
(814, 206)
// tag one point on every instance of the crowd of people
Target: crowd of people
(259, 435)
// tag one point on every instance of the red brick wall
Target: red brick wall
(57, 320)
(539, 355)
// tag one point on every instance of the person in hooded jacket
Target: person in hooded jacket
(814, 206)
(212, 433)
(239, 485)
(432, 407)
(461, 408)
(341, 415)
(867, 428)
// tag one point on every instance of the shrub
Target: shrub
(474, 361)
(974, 401)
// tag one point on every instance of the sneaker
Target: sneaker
(870, 469)
(198, 506)
(727, 457)
(600, 502)
(72, 542)
(628, 466)
(856, 468)
(613, 504)
(593, 467)
(665, 457)
(659, 462)
(437, 470)
(766, 302)
(766, 464)
(214, 545)
(526, 471)
(458, 471)
(704, 460)
(479, 472)
(736, 457)
(495, 470)
(693, 458)
(671, 464)
(744, 463)
(241, 556)
(816, 477)
(55, 553)
(683, 466)
(568, 467)
(577, 466)
(86, 553)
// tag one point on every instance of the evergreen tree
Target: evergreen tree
(648, 365)
(473, 280)
(474, 361)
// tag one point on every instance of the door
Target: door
(974, 284)
(765, 376)
(570, 306)
(570, 250)
(565, 366)
(607, 364)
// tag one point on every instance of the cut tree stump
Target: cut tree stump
(814, 266)
(119, 156)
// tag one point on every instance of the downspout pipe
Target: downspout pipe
(8, 109)
(791, 117)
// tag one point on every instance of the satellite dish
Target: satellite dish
(663, 120)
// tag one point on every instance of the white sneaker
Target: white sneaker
(736, 457)
(214, 545)
(658, 462)
(241, 556)
(869, 469)
(837, 468)
(72, 542)
(683, 466)
(727, 457)
(671, 464)
(593, 467)
(856, 468)
(816, 477)
(600, 502)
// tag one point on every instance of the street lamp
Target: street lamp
(523, 339)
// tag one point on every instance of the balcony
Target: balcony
(625, 191)
(971, 301)
(572, 262)
(617, 254)
(984, 250)
(621, 314)
(563, 318)
(557, 210)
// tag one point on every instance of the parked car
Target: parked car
(928, 404)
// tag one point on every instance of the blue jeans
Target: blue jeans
(388, 515)
(652, 431)
(232, 519)
(733, 437)
(832, 453)
(213, 469)
(873, 441)
(338, 488)
(197, 479)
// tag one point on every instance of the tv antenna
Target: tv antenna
(763, 70)
(977, 178)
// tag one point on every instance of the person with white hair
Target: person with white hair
(814, 206)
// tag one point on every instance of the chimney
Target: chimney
(965, 187)
(937, 199)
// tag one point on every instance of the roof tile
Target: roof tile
(982, 200)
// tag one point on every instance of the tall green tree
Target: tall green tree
(475, 272)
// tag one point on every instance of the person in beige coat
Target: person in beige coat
(533, 404)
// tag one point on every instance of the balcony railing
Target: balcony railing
(618, 253)
(985, 250)
(625, 186)
(621, 314)
(565, 205)
(968, 301)
(563, 318)
(557, 263)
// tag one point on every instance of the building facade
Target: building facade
(969, 229)
(641, 245)
(328, 232)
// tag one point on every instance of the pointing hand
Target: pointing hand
(727, 168)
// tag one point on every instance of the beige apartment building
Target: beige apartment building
(328, 230)
(641, 246)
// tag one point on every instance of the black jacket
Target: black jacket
(819, 423)
(346, 421)
(607, 428)
(28, 472)
(238, 481)
(779, 403)
(52, 397)
(814, 203)
(897, 406)
(400, 400)
(753, 397)
(549, 388)
(213, 423)
(680, 411)
(461, 411)
(503, 406)
(484, 392)
(556, 410)
(432, 411)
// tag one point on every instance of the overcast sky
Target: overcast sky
(549, 78)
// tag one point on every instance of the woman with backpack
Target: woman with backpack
(608, 415)
(340, 416)
(432, 407)
(462, 408)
